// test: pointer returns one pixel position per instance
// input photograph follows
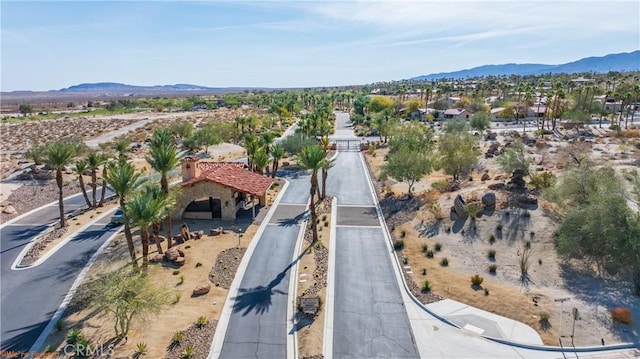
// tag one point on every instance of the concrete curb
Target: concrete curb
(16, 263)
(11, 221)
(37, 346)
(292, 339)
(221, 329)
(327, 342)
(403, 283)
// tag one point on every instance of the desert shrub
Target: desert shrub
(50, 348)
(188, 352)
(177, 337)
(403, 233)
(176, 299)
(477, 279)
(437, 212)
(440, 186)
(60, 325)
(199, 264)
(398, 245)
(438, 247)
(425, 248)
(429, 253)
(491, 254)
(426, 286)
(492, 238)
(499, 227)
(202, 321)
(176, 272)
(187, 246)
(448, 230)
(424, 271)
(444, 262)
(493, 268)
(74, 336)
(473, 210)
(141, 348)
(405, 260)
(621, 315)
(526, 214)
(544, 316)
(486, 291)
(324, 217)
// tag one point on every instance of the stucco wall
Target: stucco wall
(206, 189)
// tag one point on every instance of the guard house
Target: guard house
(218, 189)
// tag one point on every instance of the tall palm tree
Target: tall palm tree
(266, 140)
(164, 158)
(58, 155)
(80, 168)
(260, 160)
(124, 180)
(105, 161)
(94, 162)
(251, 145)
(277, 153)
(142, 210)
(325, 165)
(166, 203)
(310, 157)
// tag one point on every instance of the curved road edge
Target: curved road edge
(402, 281)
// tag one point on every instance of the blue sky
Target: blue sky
(51, 45)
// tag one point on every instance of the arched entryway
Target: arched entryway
(204, 208)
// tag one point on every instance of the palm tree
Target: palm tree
(105, 161)
(260, 160)
(165, 205)
(57, 155)
(310, 157)
(266, 140)
(251, 145)
(325, 165)
(124, 180)
(164, 158)
(122, 145)
(277, 153)
(94, 161)
(80, 168)
(142, 210)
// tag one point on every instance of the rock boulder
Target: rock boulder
(201, 289)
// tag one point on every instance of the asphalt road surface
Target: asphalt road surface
(370, 319)
(258, 324)
(30, 297)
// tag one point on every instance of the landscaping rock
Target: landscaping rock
(527, 199)
(460, 207)
(171, 254)
(485, 177)
(184, 232)
(157, 258)
(9, 210)
(202, 289)
(497, 186)
(216, 231)
(198, 234)
(179, 261)
(489, 200)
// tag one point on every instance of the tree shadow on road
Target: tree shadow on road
(259, 299)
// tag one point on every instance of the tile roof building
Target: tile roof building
(218, 189)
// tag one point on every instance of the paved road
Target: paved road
(370, 319)
(258, 324)
(30, 297)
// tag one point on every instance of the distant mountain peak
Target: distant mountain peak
(626, 61)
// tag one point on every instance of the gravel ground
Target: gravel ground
(321, 255)
(226, 266)
(29, 197)
(199, 338)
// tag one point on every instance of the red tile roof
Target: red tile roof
(232, 175)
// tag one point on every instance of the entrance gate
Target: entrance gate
(347, 145)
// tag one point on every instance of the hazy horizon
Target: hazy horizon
(52, 45)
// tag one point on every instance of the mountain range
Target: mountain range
(626, 61)
(108, 90)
